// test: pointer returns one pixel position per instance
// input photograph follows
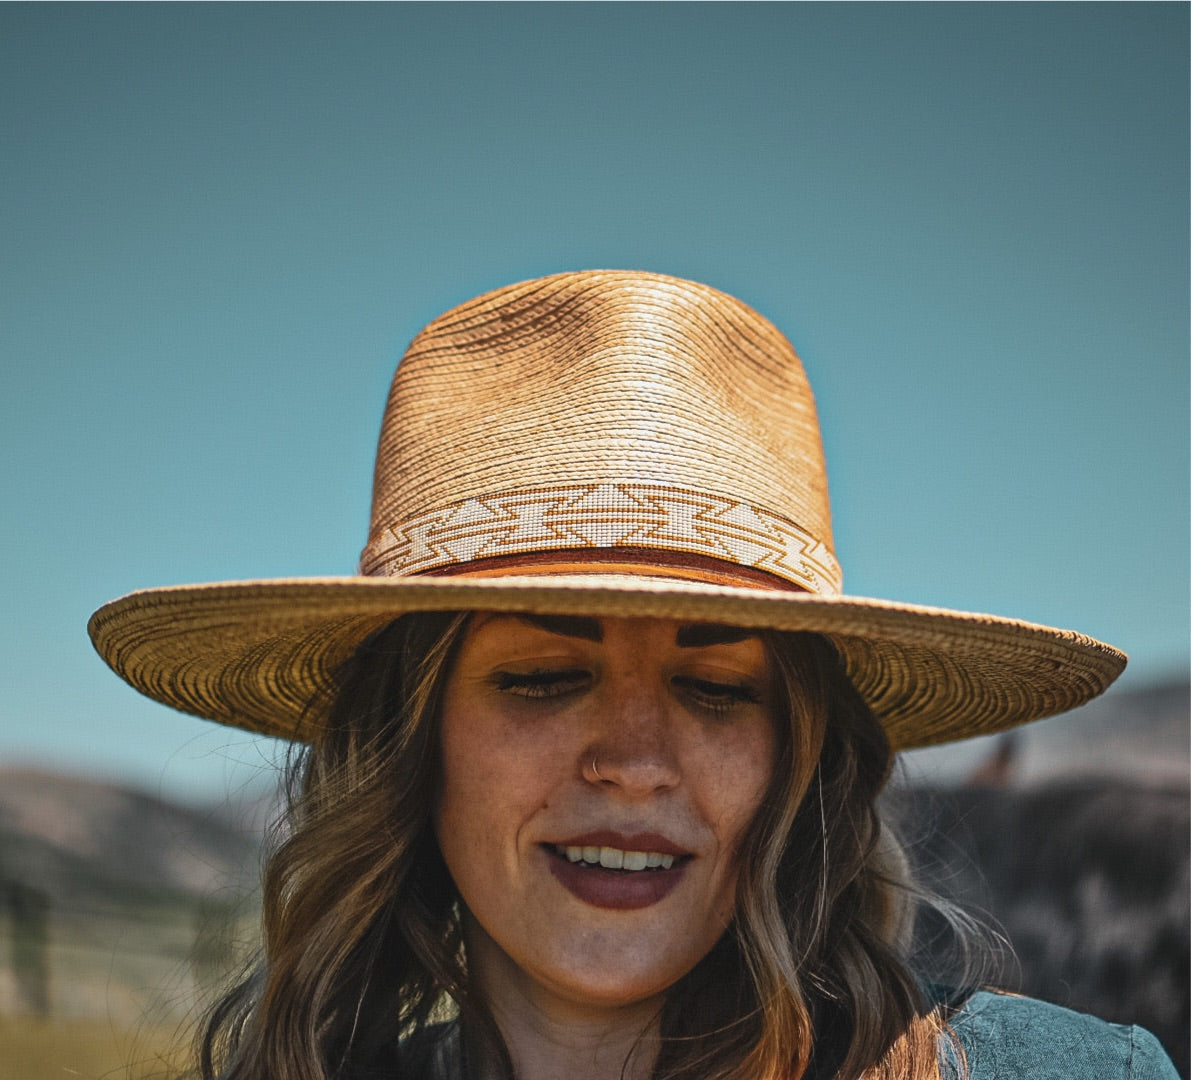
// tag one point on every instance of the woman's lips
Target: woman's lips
(615, 871)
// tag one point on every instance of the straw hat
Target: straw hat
(603, 443)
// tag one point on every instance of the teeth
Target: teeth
(614, 859)
(611, 858)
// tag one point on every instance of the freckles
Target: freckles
(740, 770)
(731, 782)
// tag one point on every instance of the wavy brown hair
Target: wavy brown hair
(363, 950)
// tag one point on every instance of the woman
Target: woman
(594, 740)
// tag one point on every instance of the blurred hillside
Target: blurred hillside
(1139, 736)
(117, 904)
(1070, 838)
(1073, 834)
(1086, 879)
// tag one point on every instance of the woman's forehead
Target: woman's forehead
(594, 628)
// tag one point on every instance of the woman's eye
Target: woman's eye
(717, 697)
(541, 684)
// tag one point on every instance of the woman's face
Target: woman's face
(598, 775)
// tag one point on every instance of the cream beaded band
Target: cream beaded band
(603, 515)
(609, 443)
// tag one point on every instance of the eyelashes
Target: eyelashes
(706, 695)
(717, 698)
(541, 684)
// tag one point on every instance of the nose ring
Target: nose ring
(595, 767)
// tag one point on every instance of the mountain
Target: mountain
(117, 903)
(1071, 838)
(1140, 736)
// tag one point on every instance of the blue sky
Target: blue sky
(221, 224)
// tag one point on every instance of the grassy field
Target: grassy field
(88, 1049)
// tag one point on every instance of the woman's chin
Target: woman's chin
(592, 971)
(603, 991)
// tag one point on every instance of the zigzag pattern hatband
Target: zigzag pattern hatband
(606, 515)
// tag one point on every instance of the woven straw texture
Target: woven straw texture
(602, 443)
(596, 410)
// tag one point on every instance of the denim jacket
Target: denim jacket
(1004, 1037)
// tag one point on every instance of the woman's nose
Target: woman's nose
(633, 750)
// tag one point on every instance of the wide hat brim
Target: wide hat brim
(261, 655)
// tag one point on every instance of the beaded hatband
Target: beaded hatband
(603, 516)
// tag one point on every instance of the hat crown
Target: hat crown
(604, 410)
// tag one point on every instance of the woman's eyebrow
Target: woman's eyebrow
(701, 635)
(567, 625)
